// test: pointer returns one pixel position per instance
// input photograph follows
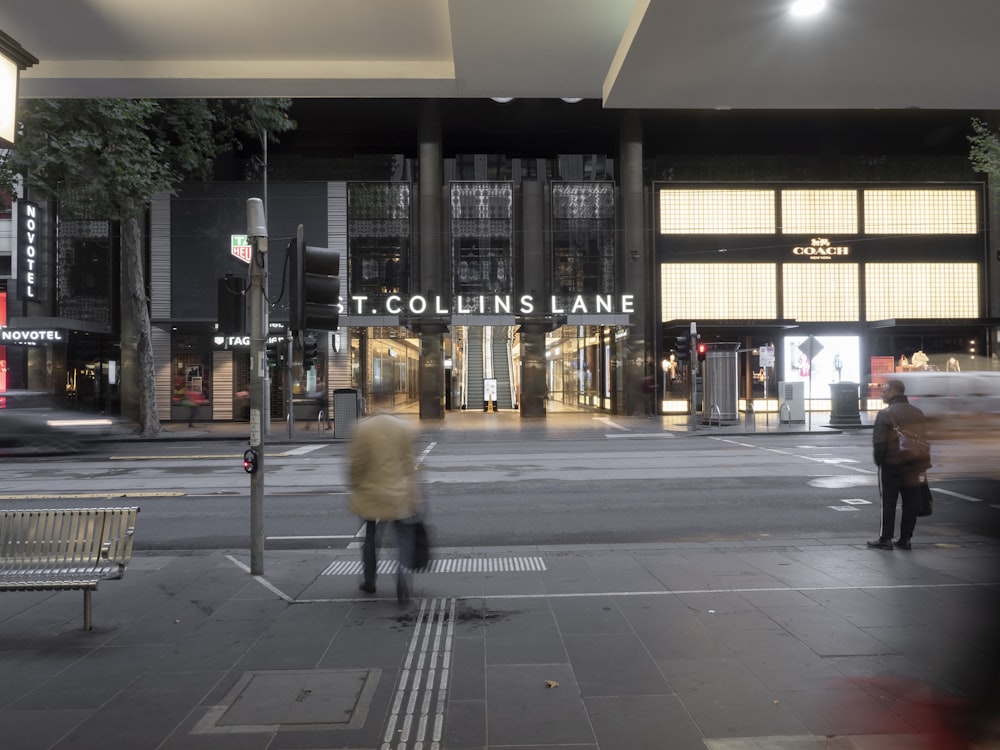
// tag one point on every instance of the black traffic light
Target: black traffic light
(273, 353)
(250, 461)
(309, 356)
(702, 348)
(681, 348)
(231, 305)
(315, 287)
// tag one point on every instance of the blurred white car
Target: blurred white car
(44, 432)
(964, 413)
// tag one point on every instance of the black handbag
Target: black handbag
(926, 505)
(419, 552)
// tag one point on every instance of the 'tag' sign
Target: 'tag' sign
(240, 247)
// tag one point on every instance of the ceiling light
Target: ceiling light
(502, 99)
(807, 8)
(572, 99)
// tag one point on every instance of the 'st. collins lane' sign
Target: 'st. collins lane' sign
(500, 304)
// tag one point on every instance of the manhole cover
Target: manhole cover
(303, 699)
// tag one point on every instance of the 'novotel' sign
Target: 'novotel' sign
(28, 266)
(31, 335)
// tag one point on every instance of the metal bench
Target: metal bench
(51, 550)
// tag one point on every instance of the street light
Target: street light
(13, 59)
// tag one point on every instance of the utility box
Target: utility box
(346, 411)
(721, 379)
(791, 401)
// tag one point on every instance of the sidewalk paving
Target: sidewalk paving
(791, 644)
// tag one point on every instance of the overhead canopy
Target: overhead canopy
(646, 54)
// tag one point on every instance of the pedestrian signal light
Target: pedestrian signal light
(309, 355)
(250, 461)
(273, 353)
(681, 348)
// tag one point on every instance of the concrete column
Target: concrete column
(534, 280)
(432, 383)
(635, 268)
(533, 386)
(431, 267)
(431, 263)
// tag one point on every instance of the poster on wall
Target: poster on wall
(835, 359)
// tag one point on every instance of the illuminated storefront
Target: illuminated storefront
(872, 271)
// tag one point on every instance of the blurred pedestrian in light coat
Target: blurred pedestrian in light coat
(384, 488)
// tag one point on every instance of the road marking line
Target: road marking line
(302, 450)
(836, 461)
(856, 501)
(425, 452)
(635, 435)
(609, 423)
(842, 507)
(89, 495)
(959, 495)
(290, 538)
(200, 457)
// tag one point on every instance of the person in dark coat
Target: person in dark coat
(899, 476)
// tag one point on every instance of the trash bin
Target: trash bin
(346, 410)
(844, 405)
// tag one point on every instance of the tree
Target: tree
(985, 149)
(113, 156)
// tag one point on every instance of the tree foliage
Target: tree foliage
(984, 152)
(102, 151)
(109, 157)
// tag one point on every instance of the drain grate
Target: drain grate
(447, 565)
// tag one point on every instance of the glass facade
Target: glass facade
(583, 239)
(815, 292)
(717, 211)
(718, 290)
(922, 290)
(378, 234)
(482, 237)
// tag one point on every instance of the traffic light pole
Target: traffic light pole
(257, 230)
(289, 394)
(693, 360)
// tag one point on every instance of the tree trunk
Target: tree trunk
(134, 282)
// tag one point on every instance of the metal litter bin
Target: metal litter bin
(346, 411)
(721, 381)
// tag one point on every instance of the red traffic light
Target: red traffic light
(702, 348)
(250, 461)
